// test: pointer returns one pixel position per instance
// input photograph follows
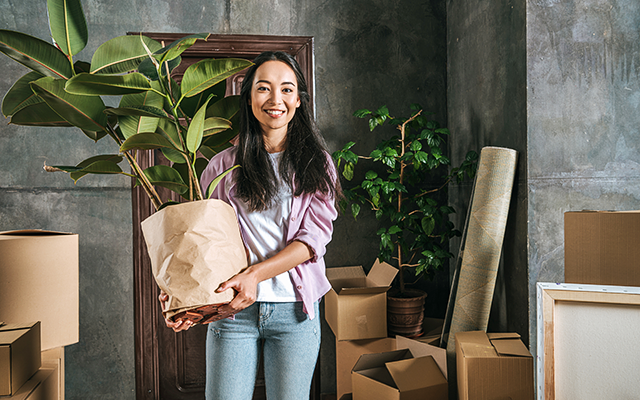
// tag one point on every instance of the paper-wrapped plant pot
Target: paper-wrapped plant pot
(194, 247)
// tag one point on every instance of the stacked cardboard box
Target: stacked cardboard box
(368, 361)
(601, 247)
(19, 355)
(355, 309)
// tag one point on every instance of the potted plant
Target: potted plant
(414, 226)
(189, 121)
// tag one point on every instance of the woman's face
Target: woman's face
(274, 97)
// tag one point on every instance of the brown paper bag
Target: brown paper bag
(194, 247)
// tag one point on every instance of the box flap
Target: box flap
(475, 344)
(341, 277)
(33, 232)
(420, 349)
(510, 347)
(345, 291)
(381, 274)
(16, 326)
(374, 360)
(503, 335)
(416, 373)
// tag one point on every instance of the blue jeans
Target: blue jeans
(291, 346)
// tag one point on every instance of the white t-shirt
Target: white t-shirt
(265, 234)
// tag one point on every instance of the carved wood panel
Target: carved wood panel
(169, 365)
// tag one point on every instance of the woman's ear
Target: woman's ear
(298, 103)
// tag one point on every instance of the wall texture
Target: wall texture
(487, 107)
(583, 122)
(557, 81)
(367, 54)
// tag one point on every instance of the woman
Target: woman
(284, 196)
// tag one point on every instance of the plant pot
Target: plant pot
(405, 313)
(194, 247)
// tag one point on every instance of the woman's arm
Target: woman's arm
(246, 282)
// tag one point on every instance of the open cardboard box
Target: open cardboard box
(601, 247)
(493, 366)
(19, 355)
(356, 306)
(349, 351)
(40, 281)
(398, 375)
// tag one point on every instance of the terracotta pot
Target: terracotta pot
(405, 314)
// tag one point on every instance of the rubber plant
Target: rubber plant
(415, 228)
(188, 121)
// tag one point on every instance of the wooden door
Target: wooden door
(168, 365)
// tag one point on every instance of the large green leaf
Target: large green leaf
(206, 73)
(68, 26)
(213, 126)
(168, 129)
(20, 95)
(225, 108)
(35, 53)
(145, 141)
(215, 182)
(165, 176)
(102, 164)
(39, 114)
(196, 128)
(177, 47)
(85, 112)
(107, 85)
(190, 105)
(148, 68)
(121, 54)
(133, 124)
(139, 111)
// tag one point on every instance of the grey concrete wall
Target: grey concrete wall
(487, 107)
(557, 81)
(367, 54)
(583, 124)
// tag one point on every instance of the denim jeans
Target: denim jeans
(290, 352)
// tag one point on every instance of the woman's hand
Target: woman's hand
(245, 285)
(181, 325)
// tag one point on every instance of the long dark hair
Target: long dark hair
(304, 161)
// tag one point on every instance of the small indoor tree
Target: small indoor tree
(414, 226)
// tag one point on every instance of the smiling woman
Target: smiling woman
(274, 100)
(284, 196)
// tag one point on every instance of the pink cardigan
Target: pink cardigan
(311, 222)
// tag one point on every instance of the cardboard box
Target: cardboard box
(42, 386)
(39, 282)
(347, 354)
(356, 306)
(19, 355)
(493, 366)
(398, 375)
(601, 247)
(54, 359)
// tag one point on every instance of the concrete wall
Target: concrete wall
(557, 81)
(487, 107)
(583, 123)
(367, 54)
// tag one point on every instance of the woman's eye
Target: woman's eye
(262, 89)
(287, 90)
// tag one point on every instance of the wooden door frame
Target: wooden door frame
(147, 313)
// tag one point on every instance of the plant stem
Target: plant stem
(146, 185)
(402, 165)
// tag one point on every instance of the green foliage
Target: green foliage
(415, 226)
(184, 121)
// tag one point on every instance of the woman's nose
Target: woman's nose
(276, 97)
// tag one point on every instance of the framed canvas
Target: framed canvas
(588, 341)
